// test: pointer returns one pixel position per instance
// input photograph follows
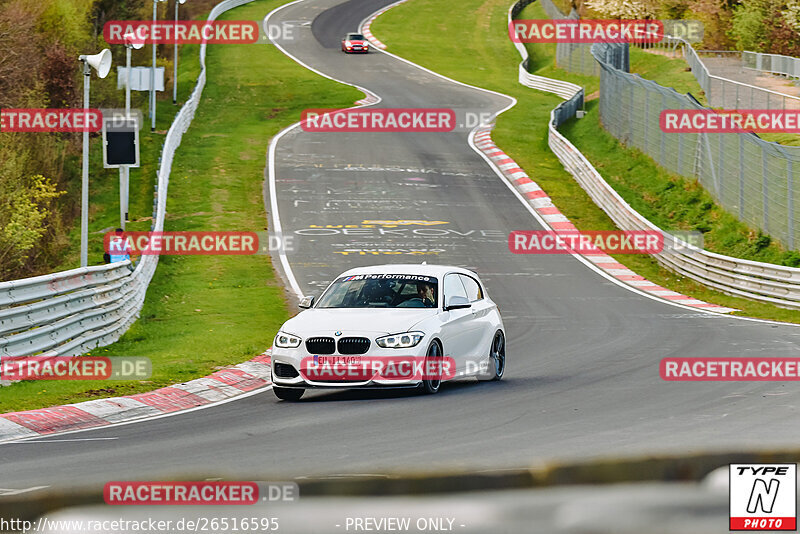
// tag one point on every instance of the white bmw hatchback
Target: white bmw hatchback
(391, 326)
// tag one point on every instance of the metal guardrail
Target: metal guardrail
(561, 88)
(72, 312)
(744, 278)
(772, 63)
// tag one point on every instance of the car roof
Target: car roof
(408, 268)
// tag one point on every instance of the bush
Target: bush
(24, 201)
(748, 28)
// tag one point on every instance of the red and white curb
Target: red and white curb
(221, 385)
(368, 101)
(543, 205)
(365, 26)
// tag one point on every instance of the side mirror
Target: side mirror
(306, 302)
(456, 302)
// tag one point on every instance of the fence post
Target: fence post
(790, 203)
(630, 116)
(741, 177)
(764, 191)
(662, 141)
(720, 167)
(646, 118)
(723, 93)
(680, 147)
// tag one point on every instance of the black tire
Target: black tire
(430, 387)
(288, 394)
(497, 355)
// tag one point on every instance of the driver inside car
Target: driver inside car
(425, 293)
(423, 299)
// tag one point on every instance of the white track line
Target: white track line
(273, 194)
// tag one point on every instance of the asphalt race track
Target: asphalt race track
(582, 378)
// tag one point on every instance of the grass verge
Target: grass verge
(205, 312)
(474, 48)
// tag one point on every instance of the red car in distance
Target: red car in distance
(355, 42)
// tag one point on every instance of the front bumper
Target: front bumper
(298, 357)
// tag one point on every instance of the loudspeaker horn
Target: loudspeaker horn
(100, 62)
(133, 41)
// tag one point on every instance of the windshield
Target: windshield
(381, 291)
(355, 37)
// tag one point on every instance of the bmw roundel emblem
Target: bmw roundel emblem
(338, 333)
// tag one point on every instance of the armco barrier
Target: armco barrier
(72, 312)
(563, 89)
(759, 281)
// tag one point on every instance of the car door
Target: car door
(457, 325)
(482, 333)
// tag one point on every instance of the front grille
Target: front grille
(284, 370)
(353, 345)
(320, 345)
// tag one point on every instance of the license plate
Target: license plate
(337, 360)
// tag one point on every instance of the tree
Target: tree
(624, 9)
(24, 201)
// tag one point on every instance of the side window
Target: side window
(453, 287)
(474, 291)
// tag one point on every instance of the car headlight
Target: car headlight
(400, 341)
(287, 341)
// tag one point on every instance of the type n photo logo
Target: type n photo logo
(763, 497)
